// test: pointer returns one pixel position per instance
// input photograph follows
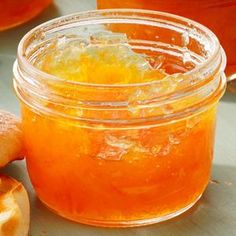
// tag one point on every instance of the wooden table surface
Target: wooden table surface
(213, 215)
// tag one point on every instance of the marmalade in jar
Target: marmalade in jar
(108, 141)
(112, 173)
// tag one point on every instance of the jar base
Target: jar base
(124, 224)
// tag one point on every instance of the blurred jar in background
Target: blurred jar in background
(218, 15)
(15, 12)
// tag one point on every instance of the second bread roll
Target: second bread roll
(14, 208)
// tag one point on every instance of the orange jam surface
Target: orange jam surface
(108, 174)
(15, 12)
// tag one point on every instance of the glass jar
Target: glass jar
(128, 154)
(15, 12)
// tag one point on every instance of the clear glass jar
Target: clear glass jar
(129, 154)
(16, 12)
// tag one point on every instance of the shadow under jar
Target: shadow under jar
(122, 155)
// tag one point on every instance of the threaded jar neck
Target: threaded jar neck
(188, 45)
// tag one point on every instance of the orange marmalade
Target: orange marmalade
(119, 129)
(15, 12)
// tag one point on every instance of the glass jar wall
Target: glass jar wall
(121, 154)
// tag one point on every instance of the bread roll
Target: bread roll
(14, 208)
(11, 144)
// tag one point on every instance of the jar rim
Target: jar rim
(67, 20)
(202, 86)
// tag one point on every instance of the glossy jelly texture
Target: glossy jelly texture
(104, 174)
(111, 174)
(215, 14)
(111, 62)
(15, 12)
